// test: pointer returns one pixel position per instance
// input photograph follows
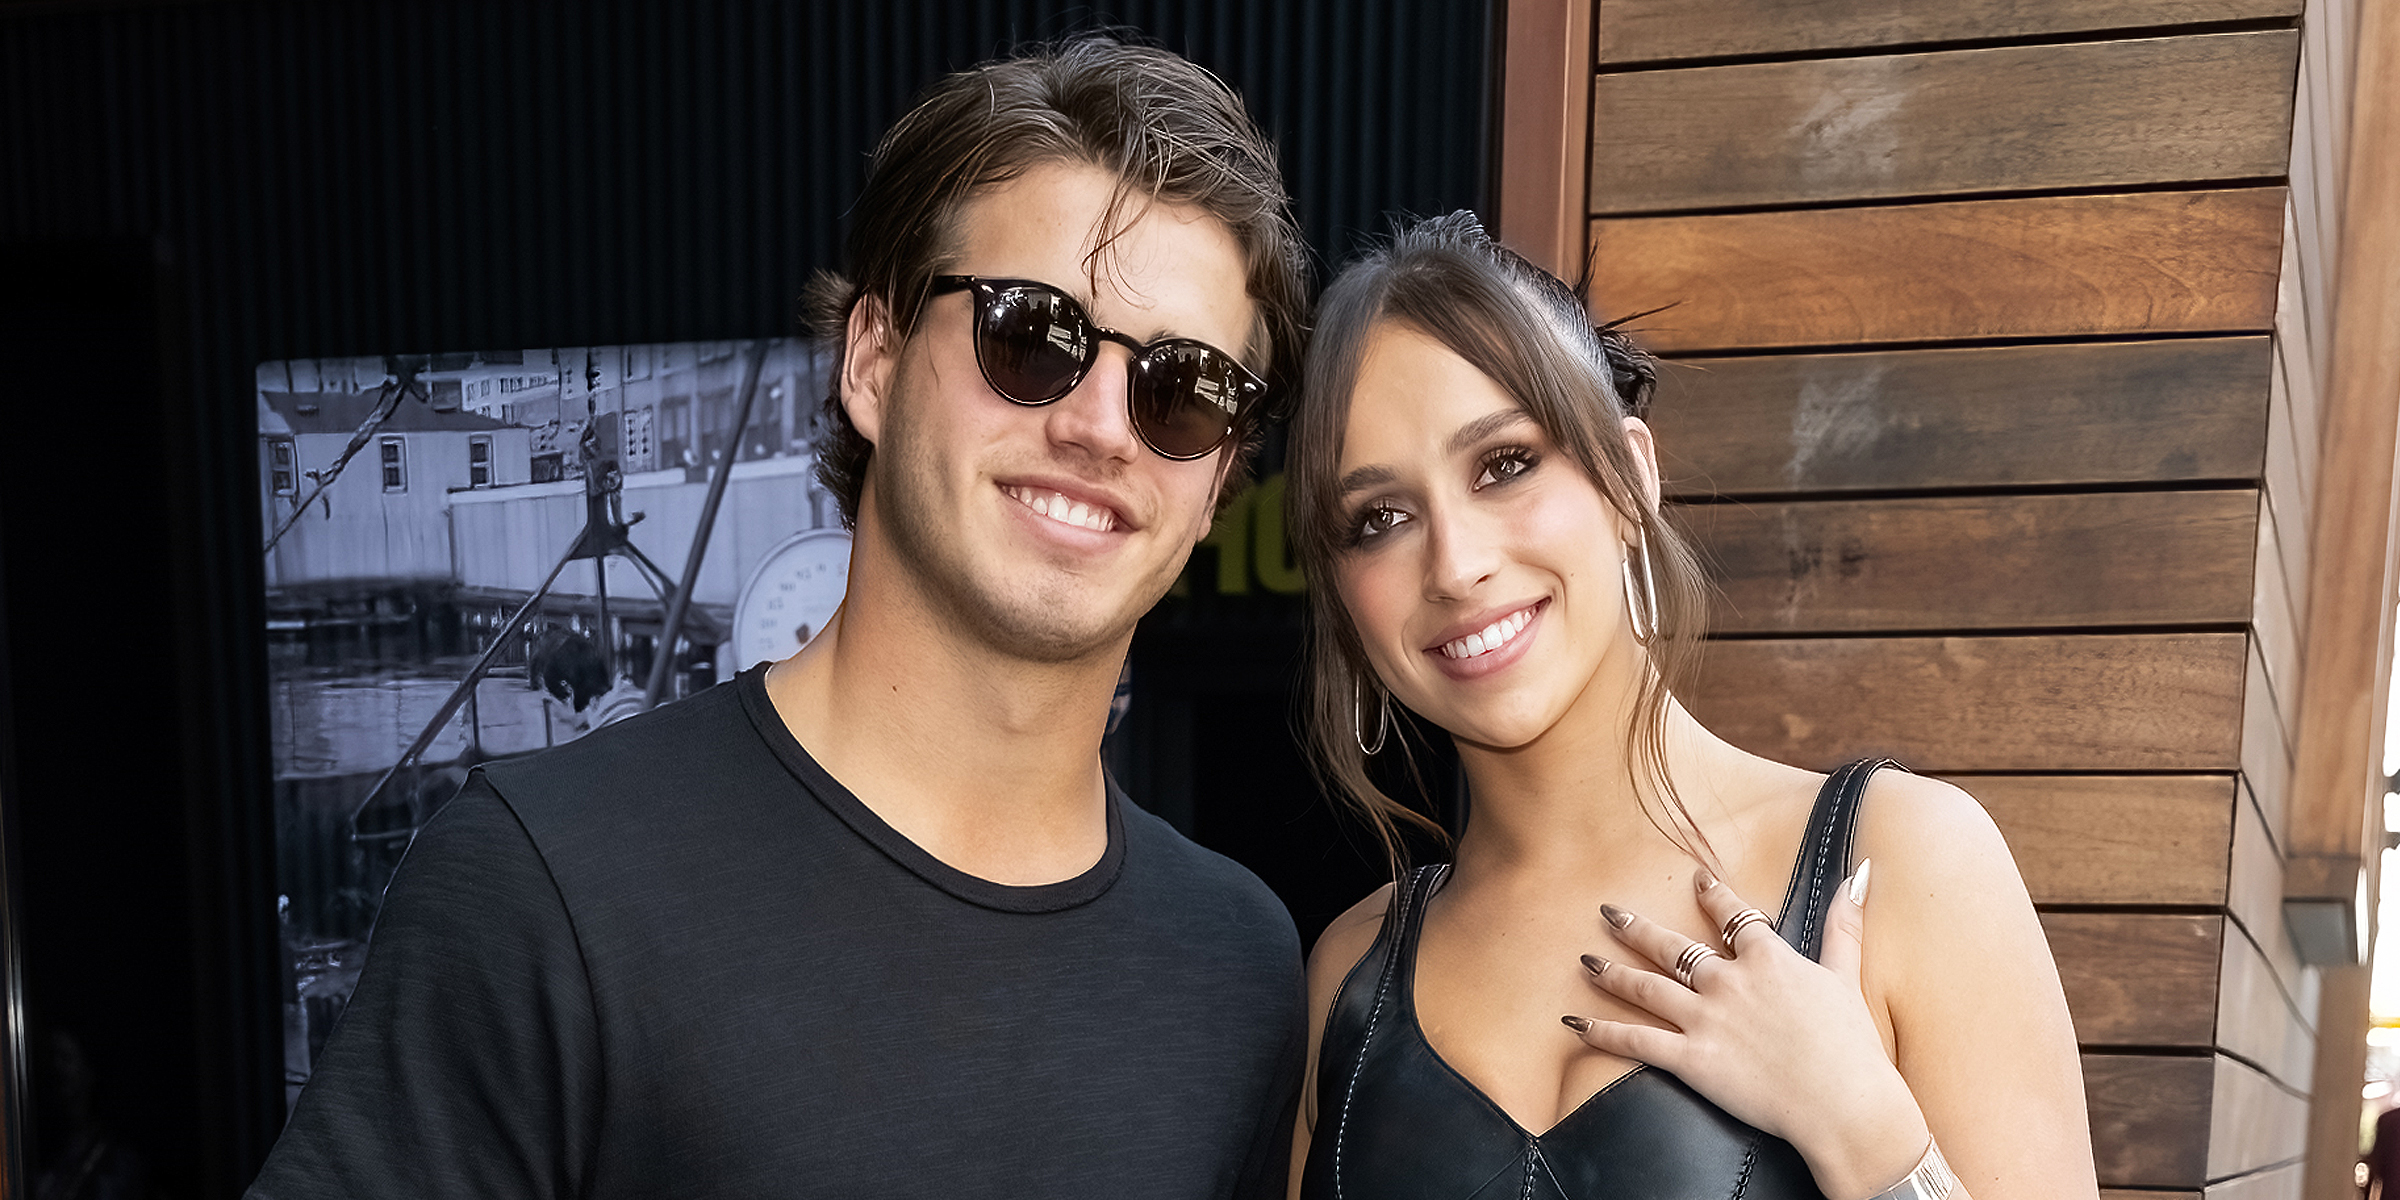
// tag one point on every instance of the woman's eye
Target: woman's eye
(1375, 521)
(1502, 466)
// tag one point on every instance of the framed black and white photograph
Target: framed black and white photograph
(477, 556)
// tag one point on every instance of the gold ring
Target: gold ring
(1690, 960)
(1735, 924)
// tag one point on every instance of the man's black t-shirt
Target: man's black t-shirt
(676, 958)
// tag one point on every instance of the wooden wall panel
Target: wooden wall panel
(2266, 747)
(2186, 410)
(2057, 266)
(1917, 125)
(2118, 702)
(2304, 392)
(2115, 839)
(1902, 409)
(2255, 1019)
(1545, 104)
(2254, 900)
(1648, 30)
(2272, 618)
(2138, 979)
(2253, 1122)
(2149, 1118)
(2299, 398)
(2276, 1183)
(2115, 559)
(2163, 1122)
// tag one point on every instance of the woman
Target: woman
(1480, 506)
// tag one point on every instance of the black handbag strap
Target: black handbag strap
(1825, 852)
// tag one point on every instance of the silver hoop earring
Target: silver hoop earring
(1642, 611)
(1383, 720)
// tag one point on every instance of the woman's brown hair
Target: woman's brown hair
(1530, 334)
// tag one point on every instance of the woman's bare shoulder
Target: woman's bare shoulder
(1343, 943)
(1931, 828)
(1947, 895)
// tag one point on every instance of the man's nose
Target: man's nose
(1096, 416)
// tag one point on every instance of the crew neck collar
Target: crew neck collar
(974, 889)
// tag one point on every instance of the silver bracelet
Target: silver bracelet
(1931, 1180)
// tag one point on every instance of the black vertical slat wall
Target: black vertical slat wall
(319, 179)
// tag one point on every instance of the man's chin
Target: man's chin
(1065, 630)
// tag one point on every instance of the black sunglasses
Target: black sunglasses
(1035, 343)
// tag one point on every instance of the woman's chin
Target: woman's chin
(1498, 733)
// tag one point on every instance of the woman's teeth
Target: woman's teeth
(1493, 636)
(1064, 511)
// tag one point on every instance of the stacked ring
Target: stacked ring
(1735, 924)
(1690, 960)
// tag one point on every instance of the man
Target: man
(872, 921)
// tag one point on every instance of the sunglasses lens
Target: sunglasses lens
(1032, 342)
(1185, 399)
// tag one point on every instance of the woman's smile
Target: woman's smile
(1491, 645)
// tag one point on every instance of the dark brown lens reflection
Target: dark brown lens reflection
(1034, 344)
(1184, 399)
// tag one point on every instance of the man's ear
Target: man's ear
(1645, 460)
(870, 357)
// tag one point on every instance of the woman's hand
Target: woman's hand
(1782, 1043)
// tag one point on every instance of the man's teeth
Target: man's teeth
(1064, 511)
(1493, 636)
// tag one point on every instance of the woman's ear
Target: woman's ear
(870, 356)
(1645, 460)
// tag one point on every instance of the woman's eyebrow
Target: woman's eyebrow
(1466, 436)
(1483, 427)
(1364, 478)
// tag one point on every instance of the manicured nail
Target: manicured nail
(1703, 879)
(1616, 916)
(1596, 965)
(1858, 883)
(1578, 1024)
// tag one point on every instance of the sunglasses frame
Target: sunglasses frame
(1249, 388)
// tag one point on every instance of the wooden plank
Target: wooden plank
(2138, 979)
(2149, 1117)
(2123, 558)
(2305, 391)
(2337, 772)
(2341, 1065)
(2254, 902)
(2254, 899)
(2301, 403)
(2266, 745)
(2287, 489)
(1545, 100)
(2018, 118)
(2256, 1019)
(1633, 31)
(2049, 267)
(2253, 1122)
(2114, 702)
(2185, 410)
(2277, 1183)
(2115, 839)
(2307, 221)
(2272, 620)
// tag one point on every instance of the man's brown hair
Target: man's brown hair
(1169, 131)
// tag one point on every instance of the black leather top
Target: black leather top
(1395, 1122)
